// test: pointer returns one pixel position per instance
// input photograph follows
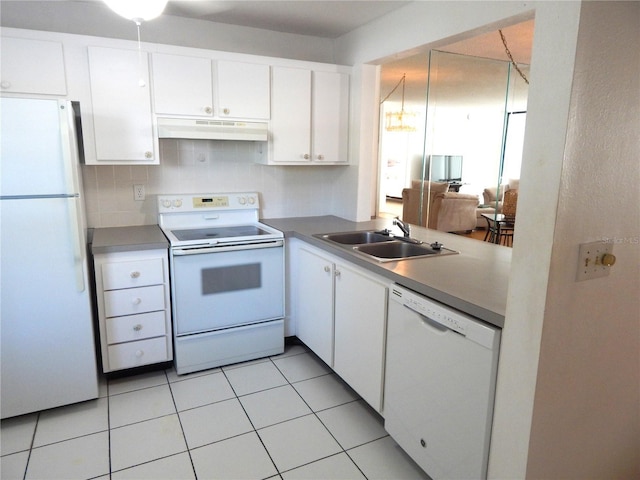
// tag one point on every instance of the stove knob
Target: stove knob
(242, 200)
(177, 203)
(252, 200)
(166, 203)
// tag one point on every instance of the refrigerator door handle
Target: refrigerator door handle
(77, 234)
(69, 145)
(71, 158)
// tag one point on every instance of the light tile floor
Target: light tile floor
(284, 417)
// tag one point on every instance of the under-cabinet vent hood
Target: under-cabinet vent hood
(212, 129)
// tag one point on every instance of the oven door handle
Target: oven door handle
(248, 246)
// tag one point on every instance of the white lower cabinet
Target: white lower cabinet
(315, 303)
(341, 313)
(360, 326)
(132, 290)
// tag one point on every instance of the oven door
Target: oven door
(216, 288)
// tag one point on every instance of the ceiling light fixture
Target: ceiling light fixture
(137, 10)
(399, 121)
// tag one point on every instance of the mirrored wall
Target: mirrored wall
(462, 134)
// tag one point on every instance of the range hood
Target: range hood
(204, 129)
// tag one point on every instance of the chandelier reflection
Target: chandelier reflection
(401, 121)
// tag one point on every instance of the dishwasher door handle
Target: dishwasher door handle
(431, 323)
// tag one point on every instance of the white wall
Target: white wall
(586, 417)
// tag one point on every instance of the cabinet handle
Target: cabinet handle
(226, 111)
(208, 110)
(327, 268)
(320, 157)
(148, 155)
(5, 85)
(137, 301)
(306, 156)
(135, 274)
(138, 327)
(337, 273)
(139, 353)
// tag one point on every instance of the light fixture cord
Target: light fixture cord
(513, 62)
(141, 81)
(394, 89)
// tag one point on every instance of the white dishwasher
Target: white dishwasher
(439, 385)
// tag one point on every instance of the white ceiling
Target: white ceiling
(519, 39)
(326, 18)
(333, 18)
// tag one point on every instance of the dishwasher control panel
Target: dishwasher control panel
(433, 311)
(445, 316)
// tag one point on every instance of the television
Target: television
(445, 168)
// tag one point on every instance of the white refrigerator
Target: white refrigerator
(47, 341)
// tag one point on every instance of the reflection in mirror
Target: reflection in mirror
(467, 145)
(466, 109)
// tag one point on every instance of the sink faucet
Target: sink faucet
(406, 229)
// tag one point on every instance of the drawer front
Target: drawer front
(134, 300)
(139, 273)
(135, 327)
(135, 354)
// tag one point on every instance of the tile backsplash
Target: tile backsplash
(207, 166)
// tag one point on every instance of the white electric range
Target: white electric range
(227, 279)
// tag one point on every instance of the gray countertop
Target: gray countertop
(127, 239)
(474, 281)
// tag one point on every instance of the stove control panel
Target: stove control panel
(208, 201)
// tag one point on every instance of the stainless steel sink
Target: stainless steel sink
(399, 250)
(357, 238)
(384, 247)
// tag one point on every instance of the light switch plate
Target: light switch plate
(590, 260)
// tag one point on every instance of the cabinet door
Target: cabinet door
(330, 106)
(360, 325)
(32, 66)
(315, 309)
(243, 90)
(291, 115)
(121, 103)
(182, 85)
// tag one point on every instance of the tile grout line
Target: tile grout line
(33, 439)
(251, 422)
(321, 422)
(184, 436)
(109, 427)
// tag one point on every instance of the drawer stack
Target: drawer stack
(133, 308)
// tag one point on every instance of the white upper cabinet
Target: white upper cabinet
(32, 66)
(290, 116)
(243, 90)
(182, 85)
(330, 110)
(121, 103)
(309, 117)
(185, 85)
